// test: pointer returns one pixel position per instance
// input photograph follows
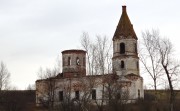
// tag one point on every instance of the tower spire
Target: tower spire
(124, 28)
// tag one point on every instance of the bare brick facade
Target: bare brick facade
(74, 63)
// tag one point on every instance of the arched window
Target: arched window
(77, 61)
(69, 60)
(122, 48)
(122, 64)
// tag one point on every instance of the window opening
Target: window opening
(94, 94)
(122, 48)
(77, 95)
(77, 61)
(69, 60)
(61, 96)
(122, 64)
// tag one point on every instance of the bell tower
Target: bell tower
(125, 56)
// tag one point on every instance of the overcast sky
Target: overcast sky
(34, 32)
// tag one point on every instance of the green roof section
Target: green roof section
(124, 29)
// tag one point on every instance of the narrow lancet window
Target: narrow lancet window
(77, 95)
(61, 96)
(77, 61)
(122, 48)
(94, 94)
(69, 60)
(122, 64)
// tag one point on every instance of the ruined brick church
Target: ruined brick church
(74, 84)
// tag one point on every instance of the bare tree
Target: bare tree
(160, 53)
(149, 56)
(99, 57)
(47, 87)
(31, 87)
(171, 68)
(4, 76)
(86, 44)
(117, 93)
(80, 102)
(103, 47)
(98, 54)
(85, 86)
(47, 73)
(58, 64)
